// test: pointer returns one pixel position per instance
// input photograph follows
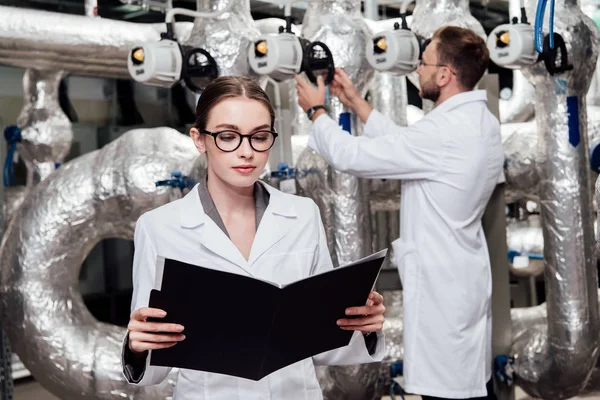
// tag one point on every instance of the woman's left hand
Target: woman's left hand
(368, 318)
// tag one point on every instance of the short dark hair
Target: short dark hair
(226, 87)
(464, 51)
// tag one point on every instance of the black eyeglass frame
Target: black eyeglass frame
(424, 64)
(215, 134)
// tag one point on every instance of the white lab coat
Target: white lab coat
(449, 163)
(290, 244)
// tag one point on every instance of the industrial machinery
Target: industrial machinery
(281, 56)
(166, 62)
(519, 45)
(396, 51)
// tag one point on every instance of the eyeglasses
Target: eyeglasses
(424, 64)
(229, 140)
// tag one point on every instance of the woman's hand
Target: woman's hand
(145, 335)
(369, 318)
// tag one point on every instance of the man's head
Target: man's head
(453, 62)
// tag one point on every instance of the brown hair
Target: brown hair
(464, 51)
(227, 87)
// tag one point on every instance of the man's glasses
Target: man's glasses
(424, 64)
(230, 140)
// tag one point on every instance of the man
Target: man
(449, 163)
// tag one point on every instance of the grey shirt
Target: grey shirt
(261, 198)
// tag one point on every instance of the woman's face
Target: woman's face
(243, 166)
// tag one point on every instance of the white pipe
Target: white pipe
(91, 8)
(404, 6)
(170, 17)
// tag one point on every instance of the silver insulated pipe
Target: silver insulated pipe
(226, 37)
(46, 131)
(341, 197)
(388, 95)
(73, 43)
(430, 15)
(46, 134)
(556, 362)
(338, 24)
(523, 156)
(96, 196)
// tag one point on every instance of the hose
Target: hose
(539, 24)
(12, 134)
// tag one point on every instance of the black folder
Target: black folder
(246, 327)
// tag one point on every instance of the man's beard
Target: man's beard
(430, 91)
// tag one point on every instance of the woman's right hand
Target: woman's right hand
(145, 335)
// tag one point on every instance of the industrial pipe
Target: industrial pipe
(556, 363)
(73, 43)
(96, 196)
(523, 156)
(226, 37)
(341, 197)
(46, 131)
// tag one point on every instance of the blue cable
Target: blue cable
(12, 134)
(539, 25)
(396, 387)
(551, 24)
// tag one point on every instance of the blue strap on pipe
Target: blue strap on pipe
(177, 181)
(345, 122)
(12, 134)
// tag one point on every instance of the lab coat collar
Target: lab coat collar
(192, 214)
(270, 231)
(460, 99)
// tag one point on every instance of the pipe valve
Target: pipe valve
(512, 45)
(283, 55)
(397, 51)
(165, 63)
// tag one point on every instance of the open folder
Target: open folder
(246, 327)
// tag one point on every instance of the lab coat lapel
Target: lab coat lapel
(212, 237)
(217, 242)
(274, 224)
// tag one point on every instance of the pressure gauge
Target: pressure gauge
(396, 51)
(512, 46)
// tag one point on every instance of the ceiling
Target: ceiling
(489, 15)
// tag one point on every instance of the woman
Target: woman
(235, 223)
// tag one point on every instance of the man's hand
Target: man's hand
(145, 336)
(371, 316)
(344, 89)
(308, 95)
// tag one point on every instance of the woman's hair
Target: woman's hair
(227, 87)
